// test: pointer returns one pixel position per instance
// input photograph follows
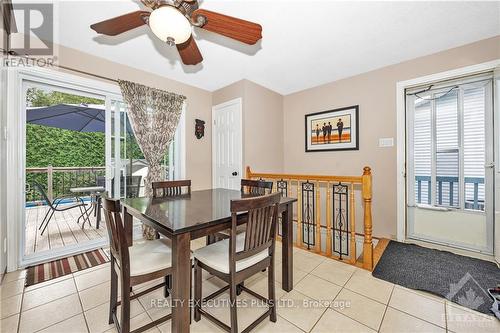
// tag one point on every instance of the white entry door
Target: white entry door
(227, 165)
(450, 163)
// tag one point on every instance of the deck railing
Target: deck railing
(326, 212)
(445, 192)
(58, 180)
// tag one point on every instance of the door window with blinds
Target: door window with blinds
(450, 163)
(447, 146)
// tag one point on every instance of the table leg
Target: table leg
(181, 284)
(98, 215)
(287, 247)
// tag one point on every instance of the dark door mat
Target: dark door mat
(462, 280)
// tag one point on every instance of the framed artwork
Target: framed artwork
(333, 130)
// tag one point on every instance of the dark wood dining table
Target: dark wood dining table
(186, 217)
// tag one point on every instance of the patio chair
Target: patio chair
(133, 184)
(54, 207)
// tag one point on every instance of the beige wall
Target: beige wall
(273, 135)
(199, 105)
(262, 123)
(375, 93)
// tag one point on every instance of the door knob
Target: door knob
(235, 173)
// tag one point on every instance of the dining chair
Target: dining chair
(241, 256)
(252, 186)
(142, 262)
(248, 186)
(53, 206)
(171, 188)
(165, 189)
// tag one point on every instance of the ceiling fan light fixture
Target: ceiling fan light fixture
(170, 25)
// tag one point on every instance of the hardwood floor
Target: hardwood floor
(63, 230)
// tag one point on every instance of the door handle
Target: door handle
(235, 173)
(489, 165)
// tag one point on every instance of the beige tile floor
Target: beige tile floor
(328, 297)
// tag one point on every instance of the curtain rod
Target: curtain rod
(68, 68)
(87, 73)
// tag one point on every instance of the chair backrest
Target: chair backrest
(256, 186)
(40, 189)
(171, 188)
(116, 230)
(260, 227)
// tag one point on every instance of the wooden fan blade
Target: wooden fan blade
(120, 24)
(232, 27)
(190, 54)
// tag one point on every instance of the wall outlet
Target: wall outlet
(385, 142)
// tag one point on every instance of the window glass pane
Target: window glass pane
(422, 151)
(474, 147)
(134, 166)
(447, 149)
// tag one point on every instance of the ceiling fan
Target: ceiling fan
(172, 20)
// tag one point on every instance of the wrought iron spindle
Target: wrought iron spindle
(340, 226)
(308, 214)
(282, 187)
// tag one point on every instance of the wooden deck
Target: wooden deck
(63, 230)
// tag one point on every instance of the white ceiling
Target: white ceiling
(305, 43)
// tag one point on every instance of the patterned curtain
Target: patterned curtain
(154, 115)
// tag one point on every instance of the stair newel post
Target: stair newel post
(367, 199)
(248, 173)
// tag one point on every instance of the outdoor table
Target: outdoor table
(190, 216)
(95, 200)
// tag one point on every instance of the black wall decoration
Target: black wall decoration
(199, 128)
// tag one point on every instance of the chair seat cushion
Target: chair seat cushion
(216, 255)
(150, 256)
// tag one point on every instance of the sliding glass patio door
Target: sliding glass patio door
(73, 133)
(450, 163)
(65, 139)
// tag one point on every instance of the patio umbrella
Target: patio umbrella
(80, 118)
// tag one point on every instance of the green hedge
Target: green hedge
(63, 148)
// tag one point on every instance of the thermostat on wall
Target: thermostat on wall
(386, 142)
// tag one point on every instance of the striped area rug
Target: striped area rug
(54, 269)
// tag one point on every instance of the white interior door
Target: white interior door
(227, 164)
(450, 164)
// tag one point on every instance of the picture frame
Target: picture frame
(332, 130)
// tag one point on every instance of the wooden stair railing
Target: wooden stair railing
(339, 222)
